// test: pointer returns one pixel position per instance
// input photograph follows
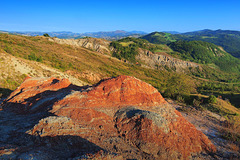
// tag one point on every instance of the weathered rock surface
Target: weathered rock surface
(156, 60)
(118, 118)
(96, 44)
(88, 75)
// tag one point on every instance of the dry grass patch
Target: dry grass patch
(234, 147)
(223, 108)
(231, 130)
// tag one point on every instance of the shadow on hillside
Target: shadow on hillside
(5, 92)
(55, 147)
(18, 118)
(233, 98)
(41, 102)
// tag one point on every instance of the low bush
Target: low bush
(212, 99)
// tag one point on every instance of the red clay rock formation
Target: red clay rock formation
(35, 92)
(123, 115)
(111, 93)
(165, 138)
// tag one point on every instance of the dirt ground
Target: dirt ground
(207, 122)
(210, 124)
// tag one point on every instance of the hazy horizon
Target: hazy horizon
(112, 31)
(135, 15)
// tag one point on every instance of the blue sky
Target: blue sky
(108, 15)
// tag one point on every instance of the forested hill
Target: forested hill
(212, 32)
(228, 39)
(159, 37)
(206, 53)
(198, 51)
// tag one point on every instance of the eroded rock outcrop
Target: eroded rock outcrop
(123, 117)
(96, 44)
(156, 60)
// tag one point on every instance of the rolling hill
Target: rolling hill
(159, 37)
(206, 53)
(155, 64)
(82, 63)
(220, 69)
(228, 39)
(188, 46)
(215, 62)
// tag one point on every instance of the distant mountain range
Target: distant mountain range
(172, 32)
(109, 35)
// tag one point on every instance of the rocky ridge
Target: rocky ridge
(99, 45)
(120, 118)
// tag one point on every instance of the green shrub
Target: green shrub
(46, 35)
(180, 99)
(212, 99)
(179, 84)
(33, 57)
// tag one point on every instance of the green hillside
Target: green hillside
(126, 48)
(187, 48)
(229, 40)
(79, 60)
(216, 62)
(206, 53)
(159, 38)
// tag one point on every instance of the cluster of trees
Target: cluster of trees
(219, 87)
(125, 52)
(130, 50)
(46, 35)
(179, 85)
(144, 44)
